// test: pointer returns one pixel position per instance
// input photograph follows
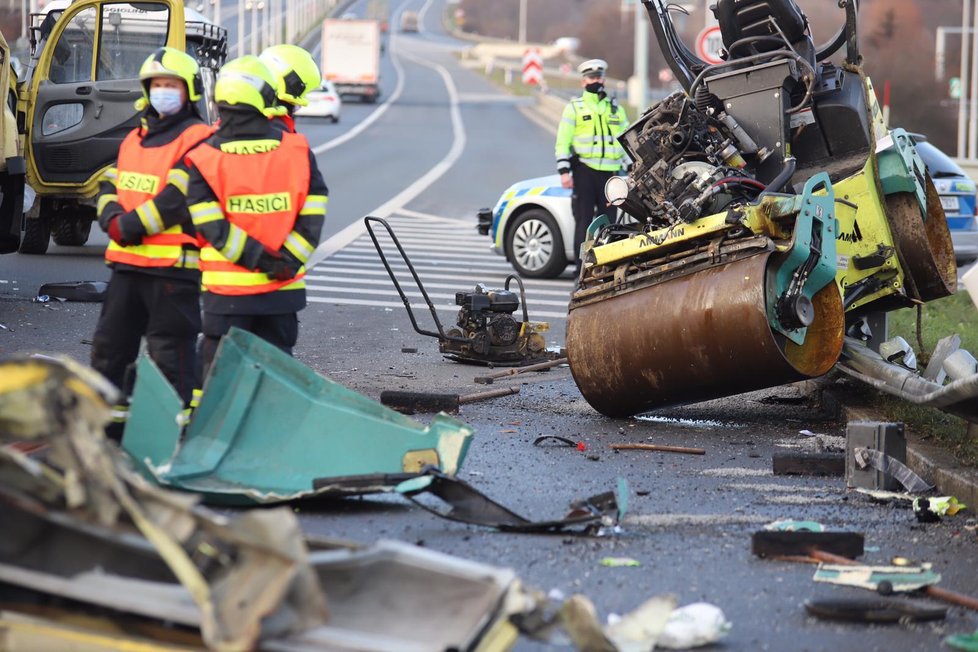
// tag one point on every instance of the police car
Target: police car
(533, 226)
(957, 192)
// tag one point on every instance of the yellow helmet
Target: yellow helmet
(247, 81)
(170, 62)
(296, 71)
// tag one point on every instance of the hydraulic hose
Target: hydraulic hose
(780, 181)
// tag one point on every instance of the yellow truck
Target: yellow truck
(76, 104)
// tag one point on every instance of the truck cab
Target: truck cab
(77, 103)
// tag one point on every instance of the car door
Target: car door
(86, 81)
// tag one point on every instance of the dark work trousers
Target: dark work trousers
(166, 311)
(281, 330)
(589, 202)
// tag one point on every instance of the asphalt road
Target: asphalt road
(441, 145)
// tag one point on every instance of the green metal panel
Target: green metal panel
(902, 169)
(270, 428)
(152, 431)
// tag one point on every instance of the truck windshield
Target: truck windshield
(130, 33)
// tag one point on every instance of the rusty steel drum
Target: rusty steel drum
(924, 245)
(694, 338)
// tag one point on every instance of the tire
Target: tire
(36, 236)
(535, 246)
(334, 119)
(71, 232)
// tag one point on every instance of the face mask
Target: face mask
(594, 87)
(166, 101)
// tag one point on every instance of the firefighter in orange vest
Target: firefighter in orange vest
(258, 201)
(154, 289)
(296, 74)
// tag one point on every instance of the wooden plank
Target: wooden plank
(823, 464)
(777, 543)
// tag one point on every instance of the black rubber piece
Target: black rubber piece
(874, 610)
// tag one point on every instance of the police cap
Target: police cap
(593, 67)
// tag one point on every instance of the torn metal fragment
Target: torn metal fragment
(891, 466)
(466, 504)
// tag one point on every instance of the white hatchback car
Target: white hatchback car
(324, 102)
(533, 226)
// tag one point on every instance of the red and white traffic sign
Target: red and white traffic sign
(532, 67)
(709, 42)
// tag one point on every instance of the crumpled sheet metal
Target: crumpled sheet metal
(270, 429)
(959, 397)
(241, 575)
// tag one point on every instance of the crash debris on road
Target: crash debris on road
(143, 565)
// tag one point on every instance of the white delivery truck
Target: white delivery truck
(351, 57)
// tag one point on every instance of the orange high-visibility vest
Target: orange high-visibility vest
(262, 194)
(142, 174)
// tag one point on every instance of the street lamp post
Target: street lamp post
(242, 8)
(522, 36)
(254, 27)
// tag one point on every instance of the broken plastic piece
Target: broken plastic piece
(929, 510)
(795, 526)
(885, 579)
(466, 504)
(618, 562)
(92, 291)
(694, 625)
(559, 441)
(270, 429)
(965, 642)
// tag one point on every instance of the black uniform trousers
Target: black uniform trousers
(282, 330)
(589, 202)
(166, 310)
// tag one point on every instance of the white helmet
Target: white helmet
(593, 67)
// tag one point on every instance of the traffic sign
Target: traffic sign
(709, 43)
(532, 67)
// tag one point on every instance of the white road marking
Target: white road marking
(354, 230)
(355, 275)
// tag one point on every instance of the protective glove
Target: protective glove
(115, 233)
(275, 266)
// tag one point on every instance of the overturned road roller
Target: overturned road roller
(767, 211)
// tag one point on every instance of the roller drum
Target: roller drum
(694, 338)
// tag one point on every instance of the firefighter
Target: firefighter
(258, 201)
(154, 289)
(296, 74)
(587, 150)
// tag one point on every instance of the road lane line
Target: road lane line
(357, 228)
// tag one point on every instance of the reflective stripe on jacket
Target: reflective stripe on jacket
(262, 194)
(589, 128)
(142, 173)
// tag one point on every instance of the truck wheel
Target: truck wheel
(36, 236)
(534, 245)
(71, 232)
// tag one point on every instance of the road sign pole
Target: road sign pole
(641, 57)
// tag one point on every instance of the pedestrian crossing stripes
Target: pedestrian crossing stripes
(447, 254)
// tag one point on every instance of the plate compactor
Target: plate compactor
(486, 330)
(768, 210)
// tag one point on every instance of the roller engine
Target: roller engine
(766, 210)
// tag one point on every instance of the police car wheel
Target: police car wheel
(534, 245)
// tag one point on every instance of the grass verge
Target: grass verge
(938, 319)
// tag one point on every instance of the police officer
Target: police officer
(587, 150)
(258, 201)
(153, 253)
(296, 74)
